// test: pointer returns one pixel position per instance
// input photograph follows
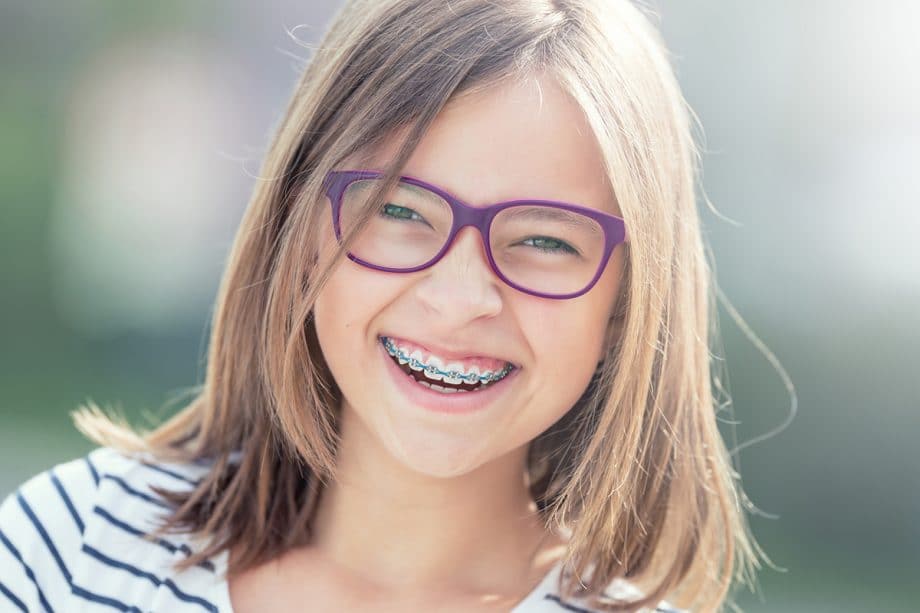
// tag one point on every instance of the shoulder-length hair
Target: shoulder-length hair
(636, 473)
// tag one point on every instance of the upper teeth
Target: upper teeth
(435, 368)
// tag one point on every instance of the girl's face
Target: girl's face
(510, 141)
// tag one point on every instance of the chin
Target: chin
(435, 456)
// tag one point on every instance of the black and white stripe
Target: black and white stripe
(75, 539)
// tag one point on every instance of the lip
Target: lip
(458, 403)
(445, 354)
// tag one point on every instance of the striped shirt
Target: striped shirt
(71, 540)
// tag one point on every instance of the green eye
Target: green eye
(550, 245)
(399, 212)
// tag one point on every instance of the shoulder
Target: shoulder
(555, 604)
(80, 530)
(546, 598)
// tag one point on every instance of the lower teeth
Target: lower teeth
(443, 390)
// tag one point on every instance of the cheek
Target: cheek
(565, 358)
(569, 335)
(567, 338)
(341, 315)
(347, 313)
(348, 302)
(335, 306)
(567, 341)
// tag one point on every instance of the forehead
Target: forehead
(512, 140)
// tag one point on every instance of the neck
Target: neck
(398, 528)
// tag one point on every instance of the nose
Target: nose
(461, 286)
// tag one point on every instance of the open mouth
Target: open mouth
(432, 376)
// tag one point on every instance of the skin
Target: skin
(429, 510)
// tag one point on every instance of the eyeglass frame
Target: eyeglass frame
(336, 183)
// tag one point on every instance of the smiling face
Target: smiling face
(515, 140)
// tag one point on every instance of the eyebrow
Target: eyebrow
(419, 190)
(535, 211)
(401, 184)
(547, 213)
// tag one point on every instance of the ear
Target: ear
(615, 327)
(614, 330)
(611, 337)
(617, 322)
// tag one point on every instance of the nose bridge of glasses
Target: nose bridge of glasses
(469, 215)
(464, 246)
(466, 215)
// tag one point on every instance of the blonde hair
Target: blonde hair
(636, 472)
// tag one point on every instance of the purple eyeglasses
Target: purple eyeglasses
(543, 248)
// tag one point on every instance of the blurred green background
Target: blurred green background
(131, 133)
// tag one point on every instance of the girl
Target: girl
(459, 360)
